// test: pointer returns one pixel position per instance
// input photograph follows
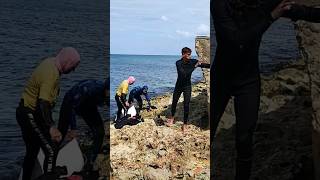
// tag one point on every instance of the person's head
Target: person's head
(67, 60)
(145, 89)
(186, 53)
(131, 80)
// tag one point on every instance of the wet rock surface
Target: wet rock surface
(151, 150)
(282, 141)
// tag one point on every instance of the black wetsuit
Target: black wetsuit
(121, 104)
(83, 99)
(35, 125)
(235, 70)
(136, 93)
(183, 85)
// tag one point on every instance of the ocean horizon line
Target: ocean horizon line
(146, 54)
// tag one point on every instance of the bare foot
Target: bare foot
(170, 121)
(184, 128)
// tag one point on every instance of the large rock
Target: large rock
(202, 45)
(161, 174)
(151, 150)
(309, 42)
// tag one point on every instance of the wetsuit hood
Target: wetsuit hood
(67, 59)
(131, 79)
(145, 89)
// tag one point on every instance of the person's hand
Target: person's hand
(284, 6)
(127, 104)
(199, 63)
(71, 135)
(55, 134)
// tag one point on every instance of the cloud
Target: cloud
(156, 23)
(203, 29)
(164, 18)
(170, 36)
(183, 33)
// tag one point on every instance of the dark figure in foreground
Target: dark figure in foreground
(83, 100)
(239, 26)
(34, 111)
(185, 67)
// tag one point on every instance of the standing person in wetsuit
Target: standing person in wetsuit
(185, 67)
(121, 95)
(83, 100)
(136, 93)
(35, 108)
(239, 26)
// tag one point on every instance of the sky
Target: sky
(157, 27)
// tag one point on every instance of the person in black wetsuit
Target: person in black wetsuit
(83, 99)
(34, 113)
(121, 95)
(136, 93)
(185, 67)
(239, 26)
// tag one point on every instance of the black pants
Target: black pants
(186, 96)
(120, 105)
(246, 103)
(92, 117)
(35, 136)
(139, 101)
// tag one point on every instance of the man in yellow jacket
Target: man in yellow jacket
(121, 95)
(34, 113)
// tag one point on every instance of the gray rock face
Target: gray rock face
(309, 42)
(202, 45)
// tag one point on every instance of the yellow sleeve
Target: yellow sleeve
(48, 87)
(125, 88)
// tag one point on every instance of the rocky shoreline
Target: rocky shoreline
(282, 146)
(151, 150)
(282, 141)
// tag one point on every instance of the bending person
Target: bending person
(121, 95)
(136, 93)
(35, 109)
(83, 100)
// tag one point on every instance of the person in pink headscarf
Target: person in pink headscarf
(34, 113)
(67, 60)
(121, 95)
